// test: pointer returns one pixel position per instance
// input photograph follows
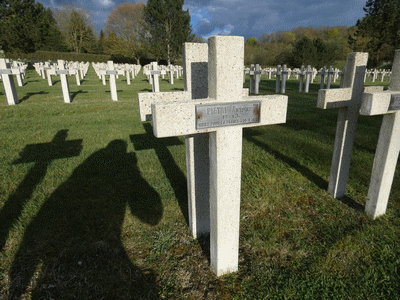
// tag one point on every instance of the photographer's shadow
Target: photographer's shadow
(73, 248)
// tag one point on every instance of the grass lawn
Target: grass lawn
(93, 206)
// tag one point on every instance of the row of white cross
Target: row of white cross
(334, 72)
(113, 71)
(153, 71)
(283, 73)
(62, 69)
(306, 76)
(213, 110)
(110, 68)
(47, 69)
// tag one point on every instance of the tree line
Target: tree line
(378, 33)
(308, 46)
(132, 30)
(158, 29)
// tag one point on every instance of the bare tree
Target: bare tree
(123, 28)
(77, 27)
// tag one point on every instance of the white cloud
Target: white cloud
(105, 3)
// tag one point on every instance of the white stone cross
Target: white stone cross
(257, 74)
(19, 72)
(301, 81)
(171, 74)
(322, 74)
(7, 73)
(309, 75)
(223, 114)
(73, 70)
(251, 80)
(195, 59)
(155, 73)
(112, 73)
(50, 71)
(386, 103)
(127, 69)
(375, 75)
(64, 80)
(330, 73)
(278, 74)
(348, 100)
(285, 73)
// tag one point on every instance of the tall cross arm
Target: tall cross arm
(334, 98)
(147, 99)
(380, 103)
(180, 118)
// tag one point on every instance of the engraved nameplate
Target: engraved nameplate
(111, 72)
(62, 72)
(227, 114)
(395, 102)
(155, 72)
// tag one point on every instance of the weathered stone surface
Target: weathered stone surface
(225, 75)
(348, 100)
(387, 152)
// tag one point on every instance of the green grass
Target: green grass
(93, 206)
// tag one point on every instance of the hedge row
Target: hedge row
(54, 56)
(70, 56)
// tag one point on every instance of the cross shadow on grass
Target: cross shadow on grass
(172, 171)
(146, 90)
(30, 81)
(250, 134)
(75, 239)
(118, 91)
(76, 93)
(42, 155)
(28, 95)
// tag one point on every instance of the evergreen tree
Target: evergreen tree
(48, 36)
(167, 27)
(312, 52)
(100, 43)
(379, 31)
(26, 26)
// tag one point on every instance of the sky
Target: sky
(248, 18)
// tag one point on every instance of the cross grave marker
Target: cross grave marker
(8, 81)
(348, 100)
(223, 115)
(64, 80)
(195, 58)
(113, 73)
(257, 74)
(386, 103)
(154, 74)
(251, 80)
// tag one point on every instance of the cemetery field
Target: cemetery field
(93, 206)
